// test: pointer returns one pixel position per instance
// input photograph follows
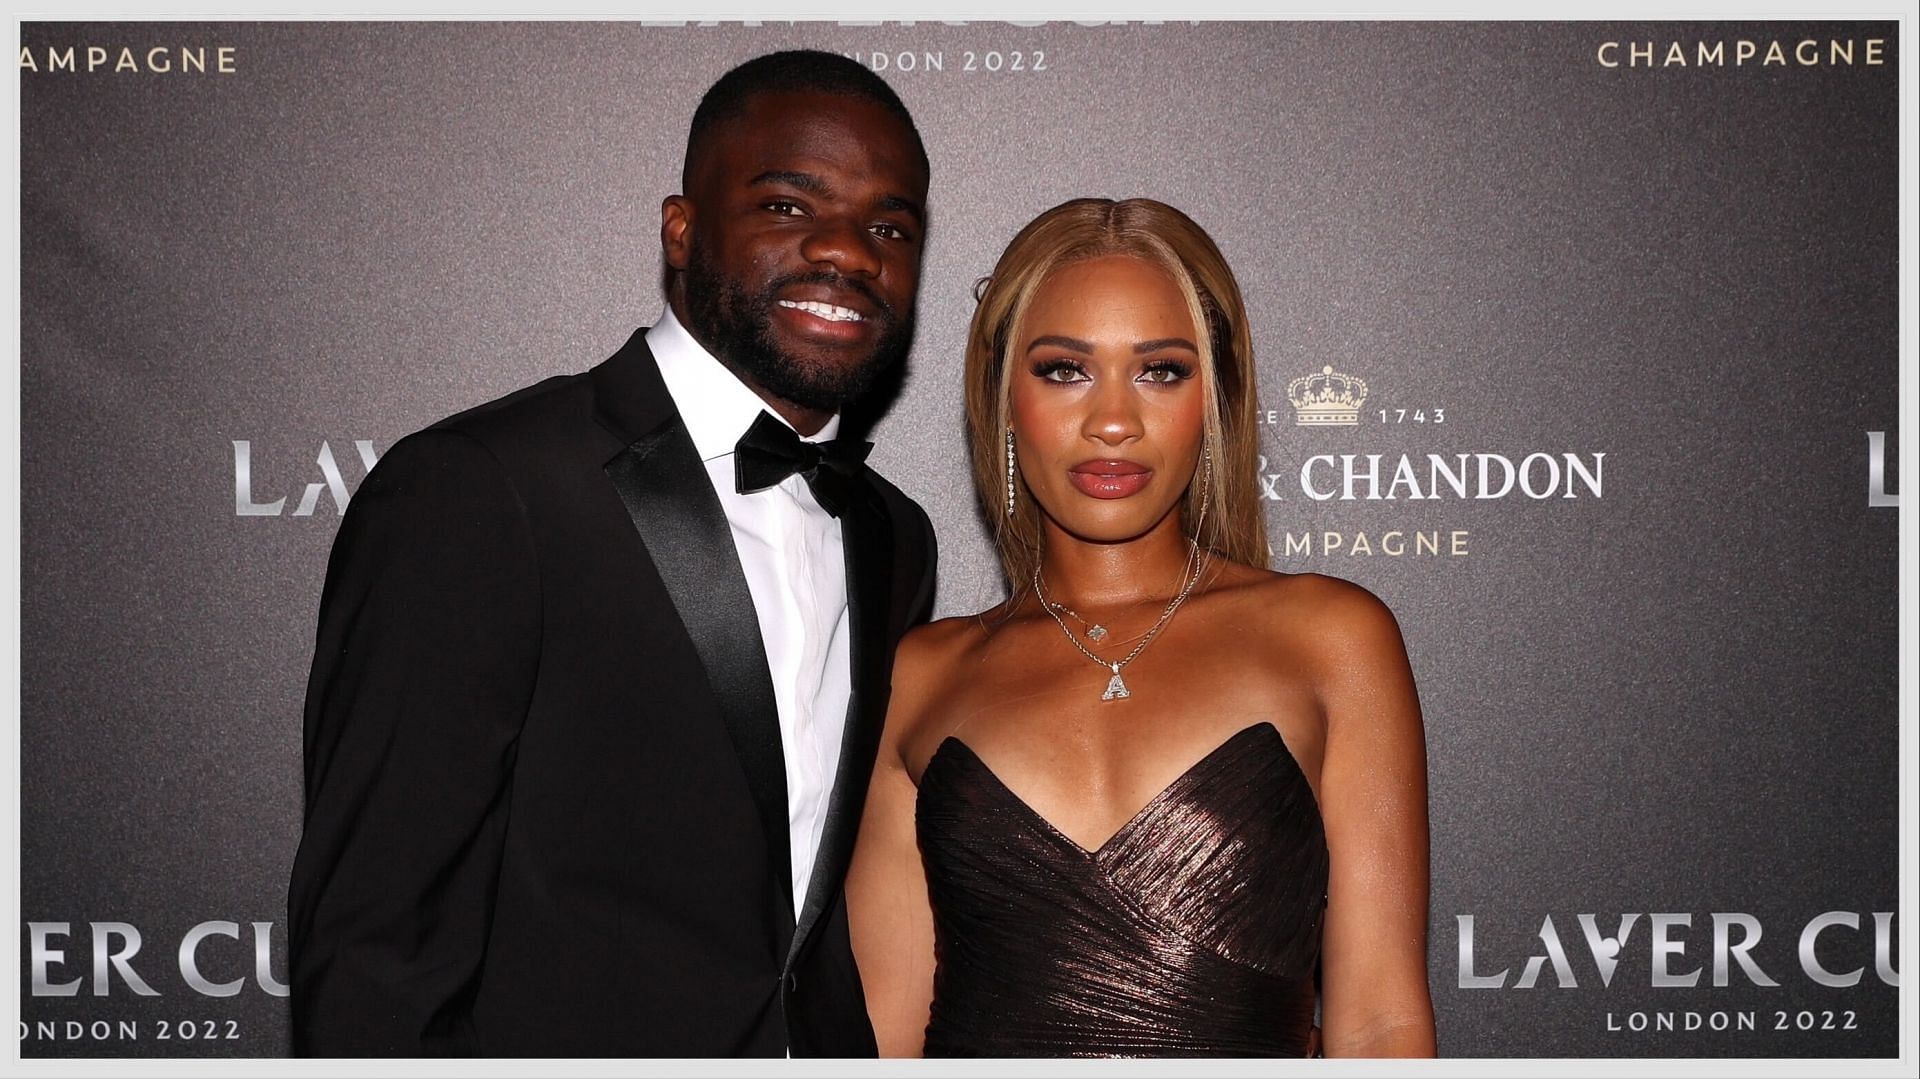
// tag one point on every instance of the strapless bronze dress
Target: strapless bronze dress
(1193, 931)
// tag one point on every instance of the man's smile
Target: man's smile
(828, 311)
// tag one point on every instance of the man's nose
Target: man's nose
(844, 245)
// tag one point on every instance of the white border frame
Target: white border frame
(1907, 440)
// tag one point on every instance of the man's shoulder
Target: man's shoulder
(576, 414)
(907, 514)
(521, 437)
(893, 496)
(534, 410)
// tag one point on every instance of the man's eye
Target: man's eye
(889, 231)
(784, 209)
(1059, 371)
(1166, 372)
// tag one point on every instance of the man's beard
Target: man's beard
(738, 328)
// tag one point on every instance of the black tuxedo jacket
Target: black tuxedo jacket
(546, 807)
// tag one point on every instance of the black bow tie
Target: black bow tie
(770, 451)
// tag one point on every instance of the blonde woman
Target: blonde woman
(1132, 810)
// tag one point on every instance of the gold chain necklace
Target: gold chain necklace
(1117, 686)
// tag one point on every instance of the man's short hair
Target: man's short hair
(796, 70)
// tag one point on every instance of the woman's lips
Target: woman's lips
(1110, 479)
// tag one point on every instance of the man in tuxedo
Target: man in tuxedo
(602, 664)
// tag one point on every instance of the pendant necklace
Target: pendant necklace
(1095, 632)
(1116, 685)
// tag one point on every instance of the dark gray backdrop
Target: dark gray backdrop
(1675, 695)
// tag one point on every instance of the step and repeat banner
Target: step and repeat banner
(1577, 345)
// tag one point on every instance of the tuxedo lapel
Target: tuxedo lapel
(671, 501)
(867, 539)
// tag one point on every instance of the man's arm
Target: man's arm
(922, 609)
(425, 661)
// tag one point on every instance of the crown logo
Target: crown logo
(1328, 399)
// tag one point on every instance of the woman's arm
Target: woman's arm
(888, 912)
(1373, 803)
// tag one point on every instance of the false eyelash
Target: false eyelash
(1046, 369)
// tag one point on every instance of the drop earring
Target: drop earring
(1009, 473)
(1206, 491)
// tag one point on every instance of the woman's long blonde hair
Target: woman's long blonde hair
(1158, 234)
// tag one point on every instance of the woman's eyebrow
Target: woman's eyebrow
(1056, 340)
(1165, 342)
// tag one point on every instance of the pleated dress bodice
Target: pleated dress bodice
(1193, 931)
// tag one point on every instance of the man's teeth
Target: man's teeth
(830, 312)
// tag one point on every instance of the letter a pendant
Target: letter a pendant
(1116, 687)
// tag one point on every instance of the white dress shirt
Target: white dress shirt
(790, 550)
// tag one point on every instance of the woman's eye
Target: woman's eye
(1059, 371)
(1166, 372)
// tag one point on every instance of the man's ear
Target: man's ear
(676, 230)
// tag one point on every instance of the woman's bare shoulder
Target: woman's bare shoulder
(1322, 617)
(938, 643)
(925, 663)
